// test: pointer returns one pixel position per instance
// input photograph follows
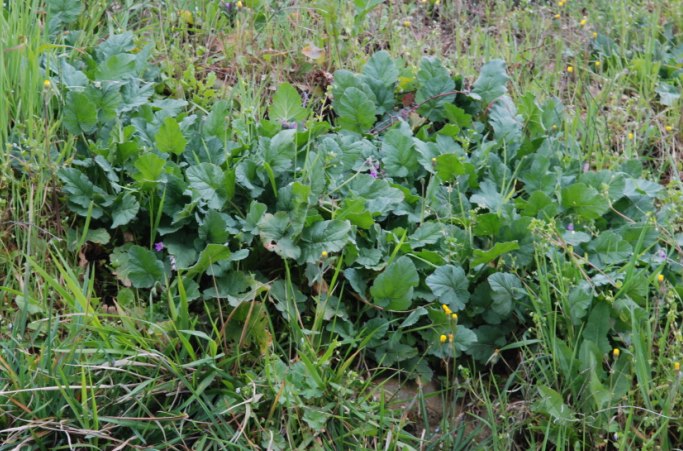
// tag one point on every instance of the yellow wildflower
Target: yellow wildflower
(631, 136)
(557, 16)
(595, 34)
(443, 338)
(616, 352)
(597, 64)
(186, 16)
(239, 4)
(660, 278)
(583, 22)
(454, 316)
(406, 23)
(47, 84)
(677, 366)
(446, 309)
(324, 254)
(668, 128)
(570, 69)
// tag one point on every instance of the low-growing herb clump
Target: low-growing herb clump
(398, 224)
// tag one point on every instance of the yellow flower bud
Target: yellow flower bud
(324, 254)
(443, 338)
(239, 4)
(677, 366)
(595, 34)
(557, 16)
(631, 136)
(616, 352)
(668, 128)
(583, 22)
(597, 64)
(406, 23)
(570, 69)
(47, 84)
(446, 309)
(186, 16)
(454, 316)
(660, 278)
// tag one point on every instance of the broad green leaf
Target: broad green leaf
(107, 102)
(585, 201)
(492, 81)
(208, 182)
(393, 288)
(150, 168)
(464, 338)
(427, 233)
(380, 197)
(115, 44)
(505, 288)
(609, 249)
(434, 84)
(414, 317)
(399, 156)
(506, 123)
(280, 151)
(329, 236)
(275, 234)
(483, 257)
(488, 224)
(449, 283)
(353, 209)
(668, 93)
(580, 298)
(212, 253)
(124, 209)
(598, 326)
(80, 113)
(215, 122)
(449, 166)
(82, 192)
(98, 236)
(214, 229)
(552, 404)
(286, 105)
(380, 67)
(169, 138)
(116, 67)
(138, 266)
(488, 196)
(356, 111)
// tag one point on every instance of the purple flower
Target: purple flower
(661, 254)
(374, 168)
(159, 246)
(570, 227)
